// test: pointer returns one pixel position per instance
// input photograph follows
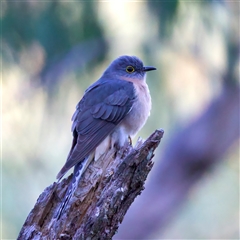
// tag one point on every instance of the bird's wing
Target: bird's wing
(101, 109)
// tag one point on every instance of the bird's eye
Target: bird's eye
(130, 69)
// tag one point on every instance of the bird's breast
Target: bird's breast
(140, 111)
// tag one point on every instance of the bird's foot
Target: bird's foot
(121, 151)
(130, 140)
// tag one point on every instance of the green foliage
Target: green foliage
(56, 25)
(165, 12)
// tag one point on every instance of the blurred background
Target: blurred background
(53, 50)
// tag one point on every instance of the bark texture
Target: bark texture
(104, 194)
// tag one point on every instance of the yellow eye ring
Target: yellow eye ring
(130, 69)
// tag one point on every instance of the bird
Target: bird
(112, 111)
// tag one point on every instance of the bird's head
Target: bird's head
(128, 67)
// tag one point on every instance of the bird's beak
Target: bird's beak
(146, 69)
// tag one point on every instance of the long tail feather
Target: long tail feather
(77, 173)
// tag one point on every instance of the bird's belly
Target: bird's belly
(131, 124)
(139, 114)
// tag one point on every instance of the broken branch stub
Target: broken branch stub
(105, 192)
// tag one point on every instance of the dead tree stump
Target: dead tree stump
(105, 192)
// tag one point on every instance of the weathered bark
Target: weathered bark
(104, 194)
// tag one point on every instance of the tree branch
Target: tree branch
(104, 194)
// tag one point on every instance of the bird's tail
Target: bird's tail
(77, 173)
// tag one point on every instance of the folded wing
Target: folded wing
(103, 106)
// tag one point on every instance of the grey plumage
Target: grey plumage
(112, 109)
(97, 115)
